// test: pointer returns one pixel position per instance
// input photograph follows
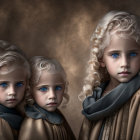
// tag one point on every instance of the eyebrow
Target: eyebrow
(50, 85)
(135, 50)
(112, 51)
(9, 81)
(3, 81)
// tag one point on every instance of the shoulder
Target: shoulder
(6, 132)
(135, 100)
(30, 120)
(136, 95)
(3, 122)
(29, 123)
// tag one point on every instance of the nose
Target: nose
(11, 90)
(52, 94)
(124, 62)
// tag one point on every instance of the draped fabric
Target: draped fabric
(44, 129)
(36, 112)
(7, 132)
(96, 107)
(11, 116)
(10, 121)
(123, 124)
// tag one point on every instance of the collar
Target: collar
(11, 116)
(95, 107)
(36, 112)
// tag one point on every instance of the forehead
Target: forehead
(47, 78)
(122, 43)
(14, 73)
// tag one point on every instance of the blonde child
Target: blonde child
(48, 87)
(112, 86)
(14, 75)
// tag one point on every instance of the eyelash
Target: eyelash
(4, 85)
(45, 89)
(58, 88)
(17, 85)
(133, 54)
(116, 55)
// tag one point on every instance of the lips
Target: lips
(124, 73)
(52, 104)
(11, 100)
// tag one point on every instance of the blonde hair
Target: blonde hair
(122, 23)
(40, 63)
(11, 55)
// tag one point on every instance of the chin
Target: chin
(124, 80)
(51, 109)
(10, 106)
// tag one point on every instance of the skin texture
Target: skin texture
(48, 93)
(121, 59)
(12, 86)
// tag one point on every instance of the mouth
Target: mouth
(124, 73)
(52, 104)
(11, 100)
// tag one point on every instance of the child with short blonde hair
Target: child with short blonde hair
(112, 86)
(48, 87)
(14, 76)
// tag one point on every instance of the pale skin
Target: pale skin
(48, 92)
(12, 86)
(121, 59)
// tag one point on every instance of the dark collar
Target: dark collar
(11, 116)
(36, 112)
(95, 107)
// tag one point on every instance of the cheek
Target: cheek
(21, 92)
(2, 91)
(39, 98)
(60, 97)
(136, 62)
(21, 89)
(2, 96)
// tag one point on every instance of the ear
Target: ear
(102, 64)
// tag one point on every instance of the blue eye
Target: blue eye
(58, 88)
(115, 55)
(132, 54)
(19, 84)
(4, 85)
(43, 89)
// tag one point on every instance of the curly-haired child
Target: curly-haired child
(112, 86)
(48, 87)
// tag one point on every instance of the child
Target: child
(112, 111)
(14, 75)
(48, 87)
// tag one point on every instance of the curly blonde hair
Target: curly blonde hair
(40, 63)
(125, 25)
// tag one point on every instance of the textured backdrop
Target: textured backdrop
(60, 29)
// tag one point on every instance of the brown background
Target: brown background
(59, 29)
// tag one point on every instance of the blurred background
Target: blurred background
(59, 29)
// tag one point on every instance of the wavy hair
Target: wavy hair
(40, 63)
(11, 55)
(124, 24)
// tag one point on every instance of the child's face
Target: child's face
(121, 59)
(12, 86)
(48, 93)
